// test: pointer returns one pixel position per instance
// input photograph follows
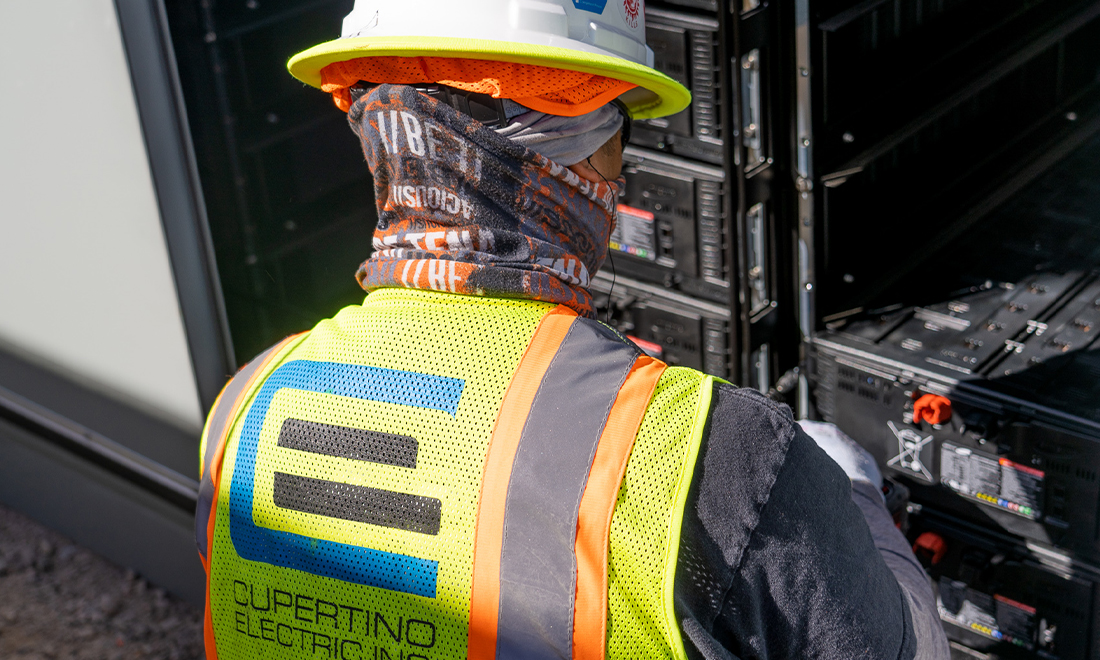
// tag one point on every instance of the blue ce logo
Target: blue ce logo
(414, 513)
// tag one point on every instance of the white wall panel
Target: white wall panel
(85, 281)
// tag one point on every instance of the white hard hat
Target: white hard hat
(600, 37)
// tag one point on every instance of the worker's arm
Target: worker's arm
(860, 468)
(782, 558)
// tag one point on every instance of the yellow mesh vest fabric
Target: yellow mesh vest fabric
(645, 527)
(261, 610)
(264, 610)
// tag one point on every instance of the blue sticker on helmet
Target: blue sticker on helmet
(594, 6)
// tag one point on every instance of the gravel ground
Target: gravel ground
(59, 601)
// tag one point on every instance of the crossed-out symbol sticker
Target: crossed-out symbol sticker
(910, 444)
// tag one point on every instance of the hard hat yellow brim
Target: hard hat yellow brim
(657, 95)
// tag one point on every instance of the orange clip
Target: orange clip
(932, 408)
(932, 544)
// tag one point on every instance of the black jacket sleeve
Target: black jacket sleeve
(777, 560)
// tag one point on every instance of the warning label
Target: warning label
(996, 616)
(914, 451)
(991, 480)
(634, 233)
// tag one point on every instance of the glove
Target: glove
(853, 459)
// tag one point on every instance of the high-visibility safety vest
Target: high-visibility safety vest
(435, 476)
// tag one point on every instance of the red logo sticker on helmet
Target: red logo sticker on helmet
(632, 9)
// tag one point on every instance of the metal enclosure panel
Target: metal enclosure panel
(90, 291)
(100, 510)
(179, 192)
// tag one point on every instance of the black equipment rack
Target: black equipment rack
(288, 194)
(947, 178)
(1011, 337)
(699, 227)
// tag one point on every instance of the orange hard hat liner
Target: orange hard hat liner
(545, 89)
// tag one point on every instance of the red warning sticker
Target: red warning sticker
(632, 9)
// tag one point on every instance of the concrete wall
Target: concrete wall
(85, 282)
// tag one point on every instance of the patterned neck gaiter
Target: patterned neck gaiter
(465, 210)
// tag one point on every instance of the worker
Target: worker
(469, 465)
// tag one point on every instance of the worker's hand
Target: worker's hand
(853, 459)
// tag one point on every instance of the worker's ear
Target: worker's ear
(606, 163)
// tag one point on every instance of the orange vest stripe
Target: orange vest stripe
(489, 536)
(598, 504)
(538, 566)
(250, 372)
(516, 613)
(222, 415)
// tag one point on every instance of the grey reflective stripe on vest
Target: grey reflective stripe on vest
(538, 568)
(374, 506)
(219, 418)
(346, 442)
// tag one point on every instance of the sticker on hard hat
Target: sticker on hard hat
(631, 10)
(594, 6)
(282, 494)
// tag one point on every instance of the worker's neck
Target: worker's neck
(464, 210)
